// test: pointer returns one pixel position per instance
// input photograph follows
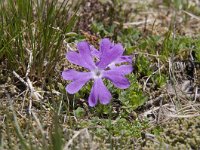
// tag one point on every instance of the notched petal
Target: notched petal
(68, 74)
(104, 94)
(72, 74)
(79, 79)
(93, 98)
(83, 48)
(123, 69)
(74, 58)
(111, 55)
(85, 54)
(76, 85)
(117, 79)
(105, 45)
(99, 92)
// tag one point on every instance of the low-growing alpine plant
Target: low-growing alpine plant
(107, 62)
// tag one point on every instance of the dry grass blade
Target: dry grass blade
(84, 134)
(191, 15)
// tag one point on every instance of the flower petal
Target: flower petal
(72, 74)
(120, 60)
(77, 59)
(117, 79)
(83, 48)
(93, 98)
(105, 45)
(85, 53)
(78, 83)
(95, 52)
(123, 69)
(99, 91)
(104, 94)
(83, 58)
(124, 59)
(111, 55)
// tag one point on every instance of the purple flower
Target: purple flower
(108, 55)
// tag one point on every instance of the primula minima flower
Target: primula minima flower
(107, 57)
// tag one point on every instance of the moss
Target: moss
(178, 134)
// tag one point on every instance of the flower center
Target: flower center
(97, 73)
